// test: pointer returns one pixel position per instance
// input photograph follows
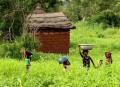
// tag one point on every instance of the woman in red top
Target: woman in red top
(108, 56)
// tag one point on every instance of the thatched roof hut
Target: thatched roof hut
(51, 29)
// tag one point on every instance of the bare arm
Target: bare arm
(81, 55)
(92, 62)
(111, 60)
(80, 52)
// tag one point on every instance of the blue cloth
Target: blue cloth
(62, 60)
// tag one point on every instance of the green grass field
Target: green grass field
(46, 72)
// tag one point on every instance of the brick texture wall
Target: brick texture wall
(54, 41)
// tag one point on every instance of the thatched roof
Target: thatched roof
(38, 10)
(48, 20)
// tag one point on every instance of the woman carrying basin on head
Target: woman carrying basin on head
(84, 54)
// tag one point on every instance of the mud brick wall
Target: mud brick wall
(54, 41)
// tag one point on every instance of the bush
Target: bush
(107, 18)
(73, 12)
(29, 42)
(100, 36)
(13, 49)
(10, 50)
(115, 46)
(110, 32)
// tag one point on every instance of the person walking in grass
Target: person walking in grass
(86, 59)
(28, 59)
(64, 60)
(108, 56)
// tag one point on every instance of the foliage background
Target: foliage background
(13, 12)
(97, 22)
(47, 72)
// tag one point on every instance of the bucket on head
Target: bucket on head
(86, 46)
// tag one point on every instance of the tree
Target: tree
(13, 13)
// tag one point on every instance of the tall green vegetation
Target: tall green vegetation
(104, 11)
(47, 72)
(13, 13)
(13, 49)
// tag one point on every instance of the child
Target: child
(28, 54)
(108, 56)
(27, 62)
(86, 59)
(100, 62)
(65, 62)
(28, 59)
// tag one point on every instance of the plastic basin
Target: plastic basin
(86, 46)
